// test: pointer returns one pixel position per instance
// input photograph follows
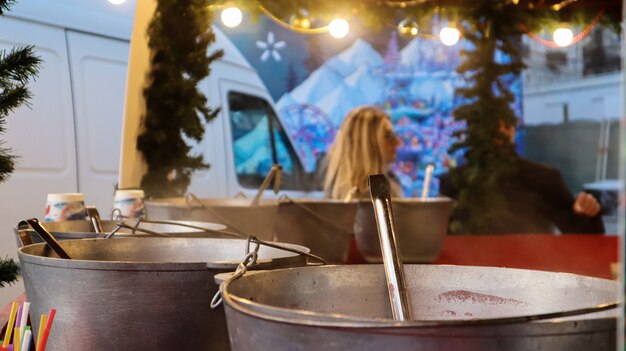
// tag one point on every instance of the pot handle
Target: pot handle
(121, 224)
(191, 226)
(46, 236)
(249, 261)
(320, 260)
(312, 213)
(190, 198)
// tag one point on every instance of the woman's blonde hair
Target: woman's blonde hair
(356, 153)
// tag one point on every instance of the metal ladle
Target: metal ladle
(275, 173)
(46, 236)
(394, 270)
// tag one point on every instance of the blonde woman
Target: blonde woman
(365, 144)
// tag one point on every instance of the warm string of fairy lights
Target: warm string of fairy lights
(296, 29)
(574, 39)
(231, 17)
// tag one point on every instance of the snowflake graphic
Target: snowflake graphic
(270, 48)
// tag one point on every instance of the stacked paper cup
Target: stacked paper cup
(65, 207)
(129, 203)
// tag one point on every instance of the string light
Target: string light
(575, 40)
(408, 28)
(231, 17)
(300, 19)
(404, 4)
(449, 35)
(563, 36)
(286, 25)
(338, 28)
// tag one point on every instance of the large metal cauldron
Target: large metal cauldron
(347, 308)
(137, 293)
(68, 230)
(237, 214)
(324, 226)
(421, 226)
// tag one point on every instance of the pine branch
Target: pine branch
(5, 6)
(7, 164)
(19, 65)
(13, 98)
(8, 271)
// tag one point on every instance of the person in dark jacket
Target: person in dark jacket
(537, 200)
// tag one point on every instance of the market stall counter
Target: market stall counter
(592, 255)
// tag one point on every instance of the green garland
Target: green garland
(179, 35)
(17, 68)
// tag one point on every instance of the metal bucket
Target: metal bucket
(237, 214)
(324, 226)
(137, 294)
(421, 226)
(68, 230)
(453, 307)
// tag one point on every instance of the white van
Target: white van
(69, 140)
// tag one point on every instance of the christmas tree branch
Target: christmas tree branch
(13, 98)
(8, 271)
(5, 6)
(19, 65)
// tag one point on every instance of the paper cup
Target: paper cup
(65, 207)
(129, 203)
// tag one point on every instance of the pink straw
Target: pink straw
(46, 331)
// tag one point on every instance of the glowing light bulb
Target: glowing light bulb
(338, 28)
(231, 17)
(563, 37)
(449, 36)
(117, 2)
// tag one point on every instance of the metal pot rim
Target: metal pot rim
(417, 201)
(316, 201)
(180, 202)
(208, 226)
(263, 263)
(332, 320)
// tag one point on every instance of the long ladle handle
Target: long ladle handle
(275, 173)
(47, 237)
(94, 217)
(394, 270)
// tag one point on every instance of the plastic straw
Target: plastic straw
(26, 341)
(427, 178)
(46, 331)
(17, 333)
(10, 347)
(42, 326)
(9, 331)
(25, 312)
(18, 317)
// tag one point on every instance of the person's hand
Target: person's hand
(586, 205)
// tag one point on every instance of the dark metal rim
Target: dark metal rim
(288, 260)
(308, 318)
(303, 317)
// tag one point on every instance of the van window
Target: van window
(250, 119)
